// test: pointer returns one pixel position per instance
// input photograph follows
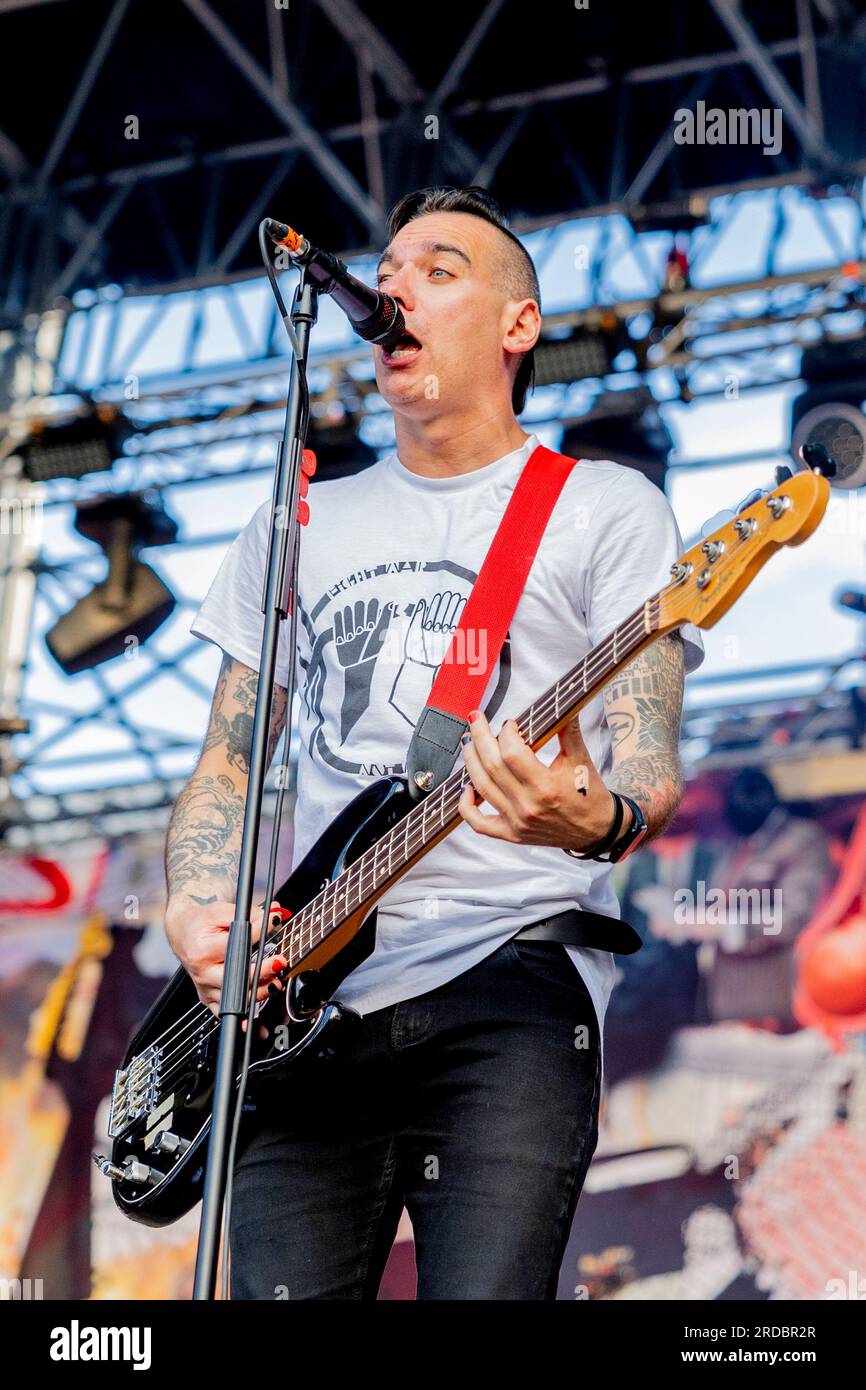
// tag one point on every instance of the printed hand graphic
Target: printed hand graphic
(427, 640)
(359, 631)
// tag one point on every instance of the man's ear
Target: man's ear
(522, 326)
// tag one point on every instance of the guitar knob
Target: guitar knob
(170, 1144)
(139, 1174)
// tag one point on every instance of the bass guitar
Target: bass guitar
(160, 1106)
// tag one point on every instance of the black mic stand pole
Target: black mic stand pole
(281, 572)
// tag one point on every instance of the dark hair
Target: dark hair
(522, 282)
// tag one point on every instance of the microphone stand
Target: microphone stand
(280, 589)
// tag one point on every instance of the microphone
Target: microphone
(375, 317)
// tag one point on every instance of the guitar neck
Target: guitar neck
(365, 880)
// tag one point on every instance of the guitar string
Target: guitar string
(676, 590)
(193, 1021)
(214, 1022)
(583, 675)
(629, 629)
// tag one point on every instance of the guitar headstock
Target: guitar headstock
(710, 577)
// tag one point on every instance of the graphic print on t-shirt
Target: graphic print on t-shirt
(377, 638)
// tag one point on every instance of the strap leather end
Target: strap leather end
(432, 750)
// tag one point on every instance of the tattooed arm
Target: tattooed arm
(643, 707)
(203, 845)
(537, 804)
(204, 837)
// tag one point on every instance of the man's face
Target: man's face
(443, 270)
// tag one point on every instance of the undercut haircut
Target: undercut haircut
(516, 269)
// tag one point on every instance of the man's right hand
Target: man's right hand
(198, 934)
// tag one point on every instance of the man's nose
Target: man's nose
(399, 287)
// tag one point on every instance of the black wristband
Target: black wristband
(610, 838)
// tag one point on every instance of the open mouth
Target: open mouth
(406, 346)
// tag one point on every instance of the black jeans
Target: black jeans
(474, 1105)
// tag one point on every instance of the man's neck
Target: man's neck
(444, 447)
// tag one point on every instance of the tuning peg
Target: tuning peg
(819, 459)
(783, 473)
(749, 499)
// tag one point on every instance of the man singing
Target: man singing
(470, 1092)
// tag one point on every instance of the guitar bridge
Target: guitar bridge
(135, 1091)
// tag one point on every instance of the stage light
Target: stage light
(88, 443)
(624, 426)
(678, 215)
(841, 430)
(132, 601)
(339, 452)
(585, 354)
(829, 413)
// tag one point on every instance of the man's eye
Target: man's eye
(439, 270)
(380, 279)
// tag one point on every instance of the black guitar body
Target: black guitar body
(162, 1096)
(161, 1102)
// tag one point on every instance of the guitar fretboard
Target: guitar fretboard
(386, 860)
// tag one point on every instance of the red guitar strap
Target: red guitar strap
(460, 687)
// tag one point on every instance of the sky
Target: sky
(788, 616)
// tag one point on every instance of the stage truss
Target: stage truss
(108, 751)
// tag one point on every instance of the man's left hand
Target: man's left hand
(565, 804)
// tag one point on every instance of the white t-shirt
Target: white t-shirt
(387, 562)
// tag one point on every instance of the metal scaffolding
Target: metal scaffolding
(158, 248)
(341, 111)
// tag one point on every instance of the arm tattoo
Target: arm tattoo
(643, 707)
(234, 705)
(204, 836)
(278, 719)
